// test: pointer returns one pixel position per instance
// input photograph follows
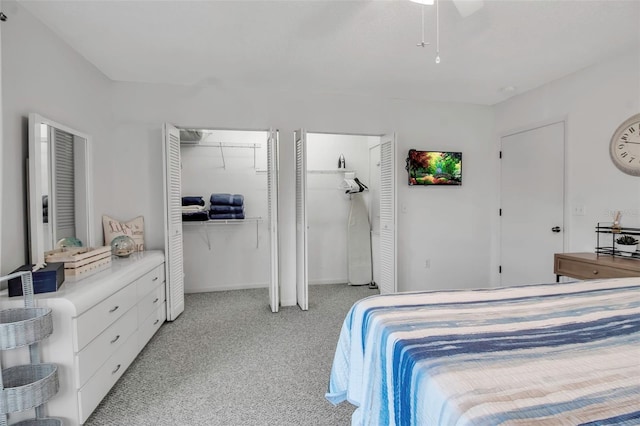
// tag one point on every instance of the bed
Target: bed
(544, 354)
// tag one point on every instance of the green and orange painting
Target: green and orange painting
(434, 167)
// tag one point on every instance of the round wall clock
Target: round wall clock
(625, 146)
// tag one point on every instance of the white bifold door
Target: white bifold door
(272, 196)
(302, 264)
(174, 275)
(388, 271)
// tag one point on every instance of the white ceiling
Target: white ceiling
(347, 47)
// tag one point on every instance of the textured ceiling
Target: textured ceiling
(364, 48)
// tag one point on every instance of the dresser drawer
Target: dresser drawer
(91, 323)
(94, 355)
(150, 302)
(151, 324)
(149, 281)
(588, 270)
(99, 385)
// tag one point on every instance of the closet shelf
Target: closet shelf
(218, 222)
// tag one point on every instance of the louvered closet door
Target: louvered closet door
(302, 276)
(272, 196)
(388, 275)
(63, 202)
(173, 222)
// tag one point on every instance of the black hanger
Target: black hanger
(362, 186)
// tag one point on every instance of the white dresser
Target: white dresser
(100, 324)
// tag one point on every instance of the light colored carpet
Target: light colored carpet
(227, 360)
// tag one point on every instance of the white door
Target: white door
(272, 196)
(388, 275)
(374, 210)
(173, 221)
(1, 144)
(532, 204)
(302, 272)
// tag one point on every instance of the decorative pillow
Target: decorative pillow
(134, 228)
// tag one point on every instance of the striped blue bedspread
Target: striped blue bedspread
(550, 354)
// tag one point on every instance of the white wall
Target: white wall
(327, 205)
(125, 121)
(239, 254)
(42, 74)
(594, 101)
(436, 220)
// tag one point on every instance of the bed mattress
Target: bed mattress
(545, 354)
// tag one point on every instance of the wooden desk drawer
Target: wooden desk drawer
(94, 355)
(149, 281)
(151, 302)
(151, 324)
(586, 270)
(99, 385)
(93, 322)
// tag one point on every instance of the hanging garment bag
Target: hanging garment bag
(359, 243)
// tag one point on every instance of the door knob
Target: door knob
(555, 229)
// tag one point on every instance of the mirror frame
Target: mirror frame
(84, 225)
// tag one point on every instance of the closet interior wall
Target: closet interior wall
(328, 205)
(229, 256)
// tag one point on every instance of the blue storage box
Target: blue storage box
(45, 280)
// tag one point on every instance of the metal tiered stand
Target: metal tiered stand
(615, 232)
(28, 386)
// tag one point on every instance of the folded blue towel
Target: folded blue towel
(220, 216)
(227, 199)
(226, 209)
(195, 217)
(192, 201)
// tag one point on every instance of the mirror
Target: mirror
(59, 186)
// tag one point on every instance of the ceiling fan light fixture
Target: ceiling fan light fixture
(423, 2)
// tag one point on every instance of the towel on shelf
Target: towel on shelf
(226, 209)
(193, 209)
(227, 199)
(195, 217)
(225, 216)
(192, 201)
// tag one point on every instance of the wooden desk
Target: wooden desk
(586, 266)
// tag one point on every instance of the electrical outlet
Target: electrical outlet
(579, 210)
(403, 208)
(427, 263)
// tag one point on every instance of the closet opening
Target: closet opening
(339, 204)
(228, 210)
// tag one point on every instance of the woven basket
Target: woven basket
(28, 386)
(47, 421)
(24, 326)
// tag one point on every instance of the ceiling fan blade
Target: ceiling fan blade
(468, 7)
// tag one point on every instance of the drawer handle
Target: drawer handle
(116, 339)
(157, 321)
(155, 279)
(595, 272)
(115, 308)
(117, 368)
(156, 301)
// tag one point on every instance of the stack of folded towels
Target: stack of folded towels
(193, 209)
(226, 206)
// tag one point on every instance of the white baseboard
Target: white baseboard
(243, 286)
(327, 281)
